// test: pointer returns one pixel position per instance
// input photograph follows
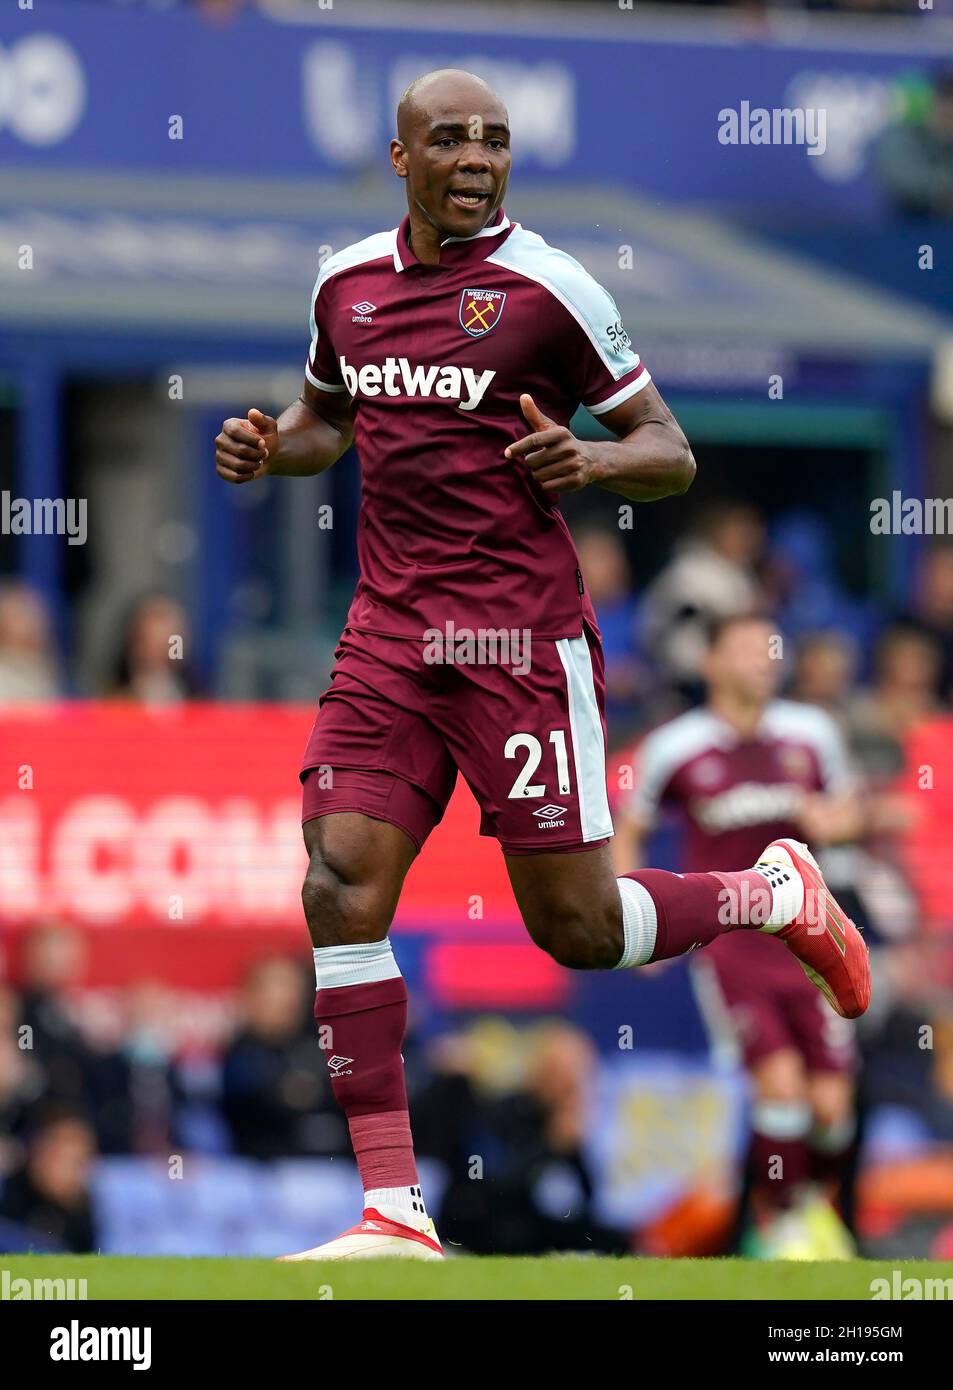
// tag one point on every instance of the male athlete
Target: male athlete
(435, 347)
(746, 768)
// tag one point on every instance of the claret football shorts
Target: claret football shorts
(752, 990)
(528, 734)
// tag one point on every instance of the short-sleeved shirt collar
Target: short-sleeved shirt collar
(455, 250)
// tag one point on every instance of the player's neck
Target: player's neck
(425, 235)
(743, 716)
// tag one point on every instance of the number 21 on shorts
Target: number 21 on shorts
(523, 787)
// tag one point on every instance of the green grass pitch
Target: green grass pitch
(558, 1277)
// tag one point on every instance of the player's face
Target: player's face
(742, 665)
(456, 160)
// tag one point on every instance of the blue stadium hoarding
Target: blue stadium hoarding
(82, 85)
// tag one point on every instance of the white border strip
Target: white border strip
(321, 385)
(632, 389)
(499, 258)
(588, 740)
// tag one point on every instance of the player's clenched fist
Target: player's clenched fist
(558, 461)
(243, 448)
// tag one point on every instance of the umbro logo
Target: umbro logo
(337, 1064)
(549, 815)
(363, 311)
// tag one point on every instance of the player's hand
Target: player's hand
(557, 460)
(823, 817)
(244, 446)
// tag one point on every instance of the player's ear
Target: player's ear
(398, 157)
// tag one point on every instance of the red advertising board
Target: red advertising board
(929, 846)
(116, 816)
(173, 837)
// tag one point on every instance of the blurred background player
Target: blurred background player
(745, 768)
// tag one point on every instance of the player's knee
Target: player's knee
(780, 1078)
(580, 940)
(339, 912)
(832, 1105)
(321, 897)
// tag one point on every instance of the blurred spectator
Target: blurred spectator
(48, 1195)
(932, 611)
(713, 575)
(534, 1193)
(131, 1085)
(825, 671)
(906, 675)
(605, 569)
(803, 586)
(97, 1080)
(275, 1091)
(916, 153)
(20, 1083)
(52, 964)
(152, 665)
(914, 988)
(28, 665)
(824, 676)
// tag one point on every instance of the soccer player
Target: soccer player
(454, 350)
(743, 769)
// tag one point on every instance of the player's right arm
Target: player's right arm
(314, 431)
(307, 438)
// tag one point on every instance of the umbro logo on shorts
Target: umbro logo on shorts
(337, 1064)
(549, 816)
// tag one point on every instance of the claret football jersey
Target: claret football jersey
(435, 358)
(737, 794)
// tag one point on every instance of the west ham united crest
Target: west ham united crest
(481, 310)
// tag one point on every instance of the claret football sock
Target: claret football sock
(361, 1011)
(779, 1155)
(832, 1151)
(670, 914)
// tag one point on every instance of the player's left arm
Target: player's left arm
(832, 818)
(836, 814)
(650, 459)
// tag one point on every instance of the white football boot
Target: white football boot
(390, 1233)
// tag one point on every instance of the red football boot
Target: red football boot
(829, 948)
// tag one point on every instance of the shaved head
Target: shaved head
(453, 149)
(453, 86)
